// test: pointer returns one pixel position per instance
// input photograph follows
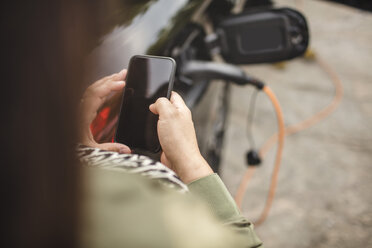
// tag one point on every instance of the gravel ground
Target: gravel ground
(324, 193)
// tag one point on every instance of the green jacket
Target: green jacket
(126, 210)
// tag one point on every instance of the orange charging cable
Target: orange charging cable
(279, 137)
(274, 179)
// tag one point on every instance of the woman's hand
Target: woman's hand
(93, 98)
(178, 139)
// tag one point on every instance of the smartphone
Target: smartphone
(148, 78)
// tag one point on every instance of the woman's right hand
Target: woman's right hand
(178, 139)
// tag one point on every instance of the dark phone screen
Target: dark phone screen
(147, 80)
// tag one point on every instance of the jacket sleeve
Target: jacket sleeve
(220, 203)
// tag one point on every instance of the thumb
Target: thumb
(115, 147)
(153, 109)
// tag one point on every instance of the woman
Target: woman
(49, 198)
(180, 226)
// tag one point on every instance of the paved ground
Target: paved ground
(324, 195)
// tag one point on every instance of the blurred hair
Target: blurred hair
(43, 45)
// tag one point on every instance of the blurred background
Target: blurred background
(323, 196)
(361, 4)
(324, 190)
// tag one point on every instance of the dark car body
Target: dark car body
(152, 27)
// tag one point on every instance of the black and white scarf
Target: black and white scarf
(130, 163)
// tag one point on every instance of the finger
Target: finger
(163, 107)
(120, 76)
(153, 109)
(114, 147)
(105, 89)
(102, 80)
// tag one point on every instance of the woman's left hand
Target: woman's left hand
(93, 98)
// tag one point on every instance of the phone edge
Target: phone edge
(170, 85)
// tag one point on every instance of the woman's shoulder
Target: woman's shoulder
(124, 210)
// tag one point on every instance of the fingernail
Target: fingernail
(122, 72)
(120, 82)
(124, 150)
